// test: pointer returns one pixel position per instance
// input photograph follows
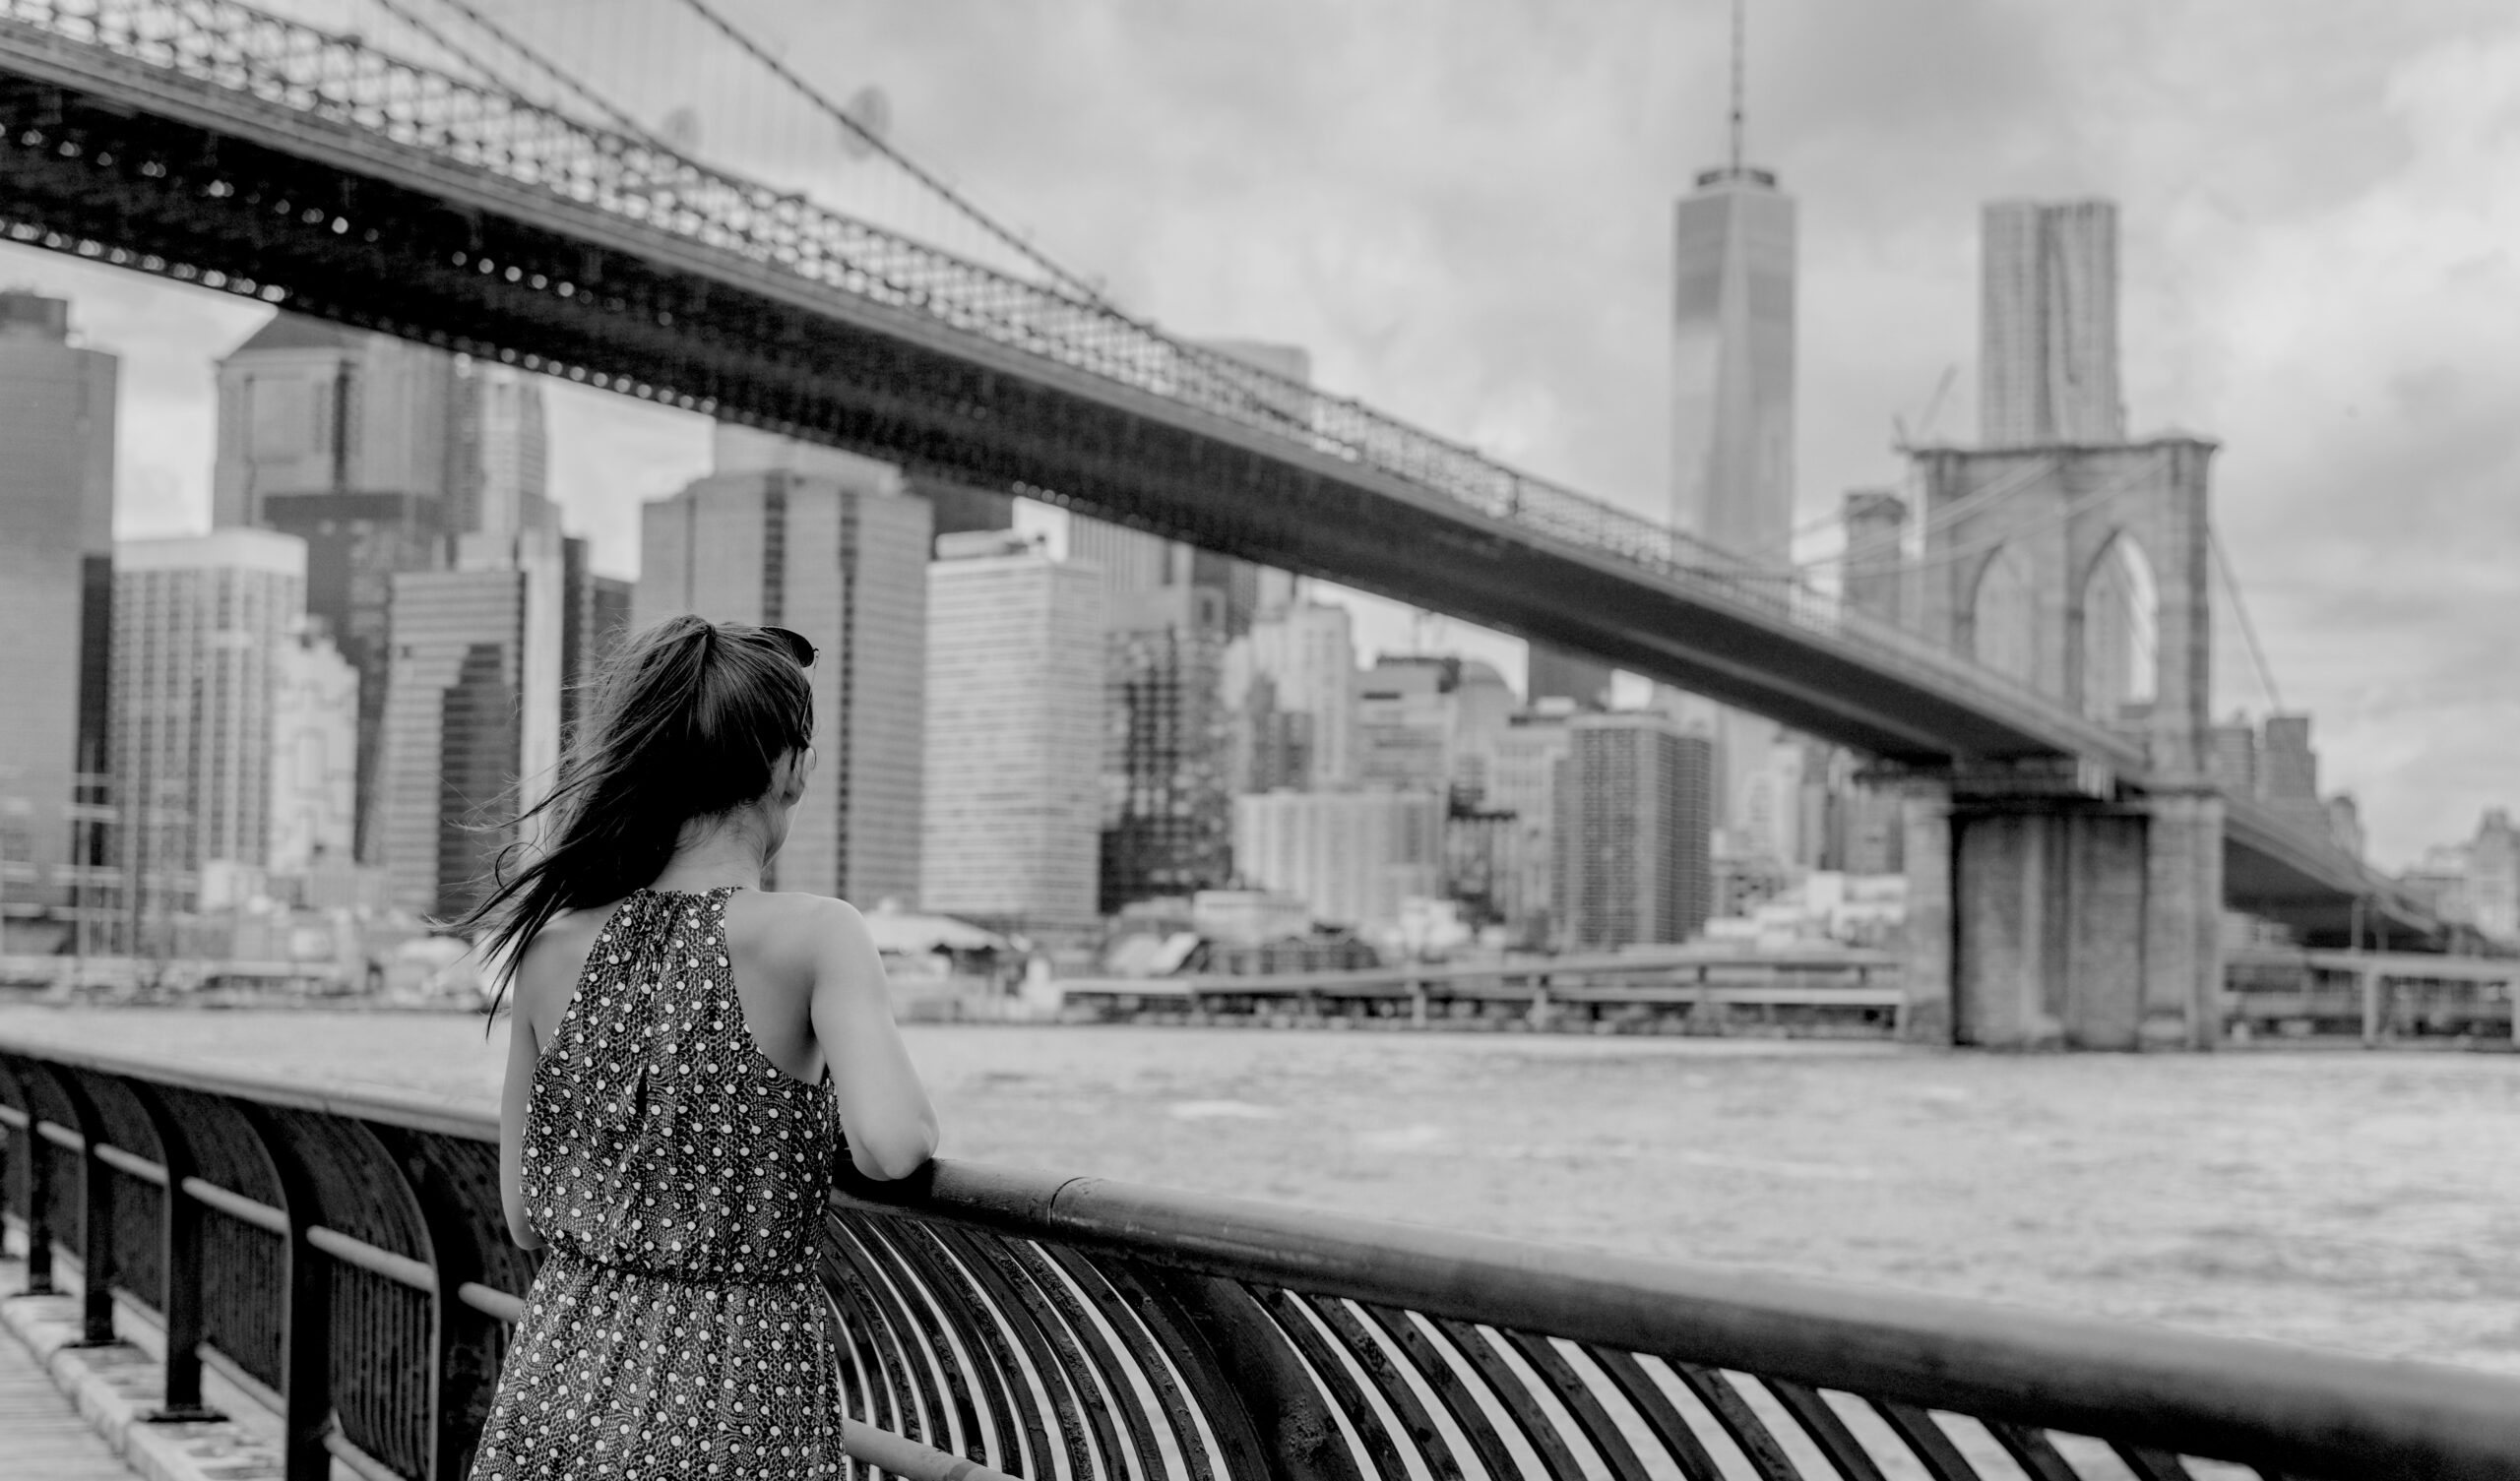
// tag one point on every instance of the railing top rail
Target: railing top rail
(2183, 1392)
(386, 1106)
(2309, 1413)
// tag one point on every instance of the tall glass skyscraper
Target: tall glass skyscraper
(1733, 365)
(1014, 735)
(1733, 402)
(2047, 325)
(56, 593)
(844, 562)
(200, 624)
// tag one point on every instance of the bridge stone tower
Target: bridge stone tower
(2069, 906)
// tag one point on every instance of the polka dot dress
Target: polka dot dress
(676, 1329)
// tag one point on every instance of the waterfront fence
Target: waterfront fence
(343, 1259)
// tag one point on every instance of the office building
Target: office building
(1272, 748)
(1170, 611)
(384, 456)
(1555, 673)
(1430, 723)
(1732, 398)
(498, 471)
(344, 439)
(594, 621)
(314, 790)
(201, 624)
(2441, 881)
(1784, 818)
(1523, 780)
(2493, 876)
(1355, 858)
(1865, 822)
(56, 595)
(454, 744)
(1167, 760)
(2288, 767)
(845, 563)
(2231, 755)
(2047, 325)
(1733, 366)
(311, 408)
(1308, 652)
(955, 508)
(1403, 729)
(1014, 735)
(1634, 820)
(1874, 574)
(490, 657)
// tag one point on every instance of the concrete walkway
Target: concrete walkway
(42, 1437)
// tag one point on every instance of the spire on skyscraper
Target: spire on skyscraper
(1737, 27)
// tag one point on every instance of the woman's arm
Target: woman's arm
(892, 1128)
(522, 1054)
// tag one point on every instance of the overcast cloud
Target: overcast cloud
(1462, 208)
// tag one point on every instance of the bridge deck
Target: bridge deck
(42, 1437)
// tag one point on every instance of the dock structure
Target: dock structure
(344, 1258)
(1670, 990)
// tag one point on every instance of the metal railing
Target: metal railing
(235, 56)
(347, 1253)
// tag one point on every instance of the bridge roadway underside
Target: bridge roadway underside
(138, 167)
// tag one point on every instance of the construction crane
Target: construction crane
(1907, 441)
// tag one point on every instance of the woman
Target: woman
(685, 1054)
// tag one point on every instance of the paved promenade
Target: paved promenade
(42, 1437)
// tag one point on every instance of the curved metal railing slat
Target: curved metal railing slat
(1384, 1367)
(1187, 1452)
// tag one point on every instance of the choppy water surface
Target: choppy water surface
(2354, 1201)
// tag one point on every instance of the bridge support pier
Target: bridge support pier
(2047, 922)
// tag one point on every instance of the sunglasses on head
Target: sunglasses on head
(795, 644)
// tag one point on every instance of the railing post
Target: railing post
(306, 1324)
(180, 1257)
(97, 1271)
(40, 1154)
(96, 1201)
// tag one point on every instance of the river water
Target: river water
(2365, 1201)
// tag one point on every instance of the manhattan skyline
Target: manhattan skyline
(1479, 239)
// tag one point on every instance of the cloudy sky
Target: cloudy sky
(1462, 208)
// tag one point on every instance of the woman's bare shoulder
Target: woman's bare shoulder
(557, 957)
(794, 925)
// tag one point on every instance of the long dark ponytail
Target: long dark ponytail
(688, 720)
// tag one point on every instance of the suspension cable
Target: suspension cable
(533, 59)
(1994, 491)
(1005, 234)
(2239, 610)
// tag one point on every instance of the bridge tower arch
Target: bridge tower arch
(2080, 911)
(2117, 646)
(2003, 614)
(2088, 531)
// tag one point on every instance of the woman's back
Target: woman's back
(684, 1056)
(659, 1135)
